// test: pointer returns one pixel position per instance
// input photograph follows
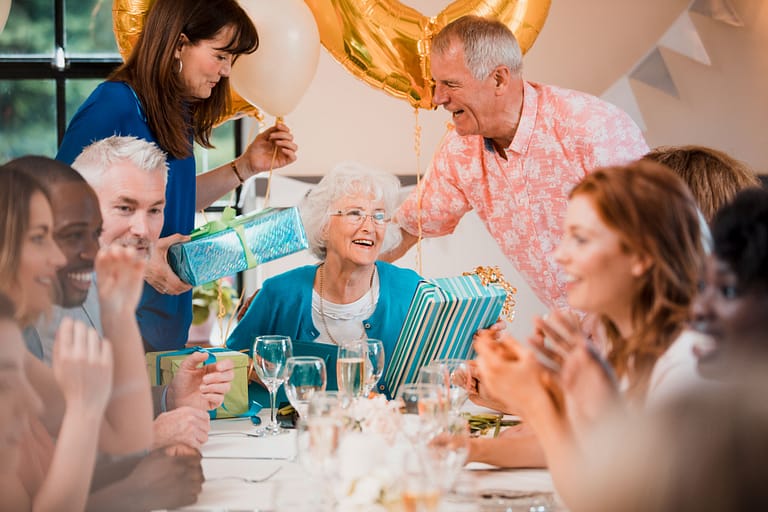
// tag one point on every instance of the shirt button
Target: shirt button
(367, 326)
(381, 387)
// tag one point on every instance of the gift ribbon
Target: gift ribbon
(227, 221)
(254, 407)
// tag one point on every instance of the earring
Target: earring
(181, 66)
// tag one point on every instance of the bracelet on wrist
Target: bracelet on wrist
(233, 166)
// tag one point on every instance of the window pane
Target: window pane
(89, 28)
(27, 113)
(77, 92)
(29, 29)
(223, 137)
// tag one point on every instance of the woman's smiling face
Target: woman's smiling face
(601, 273)
(732, 313)
(40, 260)
(351, 238)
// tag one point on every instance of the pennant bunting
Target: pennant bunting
(683, 38)
(653, 71)
(719, 10)
(621, 95)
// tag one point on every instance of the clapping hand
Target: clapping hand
(82, 366)
(120, 274)
(587, 380)
(513, 376)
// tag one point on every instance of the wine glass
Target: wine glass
(270, 355)
(350, 368)
(424, 406)
(456, 382)
(304, 376)
(448, 451)
(376, 366)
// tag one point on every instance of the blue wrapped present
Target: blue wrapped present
(443, 317)
(233, 244)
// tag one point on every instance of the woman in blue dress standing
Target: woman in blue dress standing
(171, 90)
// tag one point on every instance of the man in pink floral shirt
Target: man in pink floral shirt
(516, 150)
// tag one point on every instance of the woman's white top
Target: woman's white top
(345, 321)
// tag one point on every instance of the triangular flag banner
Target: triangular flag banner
(683, 38)
(621, 95)
(720, 10)
(653, 71)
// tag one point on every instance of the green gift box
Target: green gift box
(162, 366)
(232, 244)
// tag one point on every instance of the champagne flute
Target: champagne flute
(304, 376)
(270, 355)
(350, 368)
(376, 366)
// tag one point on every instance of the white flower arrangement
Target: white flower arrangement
(370, 457)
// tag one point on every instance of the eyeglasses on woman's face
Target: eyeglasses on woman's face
(356, 216)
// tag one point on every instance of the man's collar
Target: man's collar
(525, 125)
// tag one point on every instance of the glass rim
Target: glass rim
(313, 359)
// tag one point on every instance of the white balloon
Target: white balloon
(5, 8)
(275, 77)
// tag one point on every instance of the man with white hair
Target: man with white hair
(129, 176)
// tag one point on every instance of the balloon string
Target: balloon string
(278, 119)
(222, 313)
(417, 150)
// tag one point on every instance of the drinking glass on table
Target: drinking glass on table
(455, 375)
(376, 364)
(304, 376)
(270, 357)
(350, 368)
(424, 406)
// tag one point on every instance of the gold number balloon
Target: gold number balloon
(386, 43)
(128, 21)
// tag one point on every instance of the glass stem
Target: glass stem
(272, 400)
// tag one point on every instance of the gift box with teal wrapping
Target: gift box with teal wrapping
(162, 366)
(233, 244)
(443, 316)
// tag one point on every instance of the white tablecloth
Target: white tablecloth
(256, 457)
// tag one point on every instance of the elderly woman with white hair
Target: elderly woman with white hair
(349, 294)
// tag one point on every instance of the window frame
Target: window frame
(60, 68)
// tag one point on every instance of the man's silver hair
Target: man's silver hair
(487, 44)
(96, 159)
(348, 179)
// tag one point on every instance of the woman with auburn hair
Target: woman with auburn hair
(632, 252)
(171, 90)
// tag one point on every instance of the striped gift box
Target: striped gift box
(443, 316)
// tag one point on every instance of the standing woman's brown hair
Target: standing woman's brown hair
(153, 70)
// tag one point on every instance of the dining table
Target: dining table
(242, 469)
